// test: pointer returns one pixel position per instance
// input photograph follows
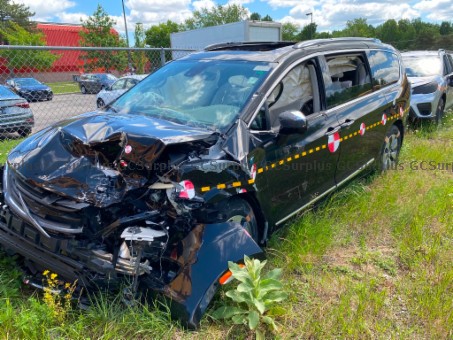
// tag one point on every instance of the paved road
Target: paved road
(62, 106)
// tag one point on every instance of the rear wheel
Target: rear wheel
(390, 149)
(83, 89)
(100, 103)
(440, 111)
(24, 132)
(240, 211)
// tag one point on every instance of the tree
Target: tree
(31, 59)
(14, 13)
(139, 57)
(267, 17)
(159, 35)
(388, 32)
(308, 32)
(218, 15)
(255, 16)
(98, 32)
(359, 28)
(289, 31)
(445, 28)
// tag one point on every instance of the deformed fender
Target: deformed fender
(205, 255)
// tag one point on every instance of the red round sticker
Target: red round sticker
(128, 149)
(362, 129)
(384, 119)
(334, 142)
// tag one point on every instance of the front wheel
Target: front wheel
(100, 103)
(83, 89)
(240, 211)
(390, 149)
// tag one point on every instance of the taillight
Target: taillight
(23, 105)
(187, 190)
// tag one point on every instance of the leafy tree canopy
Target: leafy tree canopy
(98, 32)
(159, 35)
(17, 59)
(214, 16)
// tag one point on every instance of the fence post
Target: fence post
(162, 57)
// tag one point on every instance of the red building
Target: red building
(63, 35)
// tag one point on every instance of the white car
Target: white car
(120, 86)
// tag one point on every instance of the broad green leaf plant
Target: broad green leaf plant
(254, 297)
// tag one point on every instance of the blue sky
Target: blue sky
(328, 14)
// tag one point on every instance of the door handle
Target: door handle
(331, 130)
(347, 123)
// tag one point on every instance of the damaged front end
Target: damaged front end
(106, 200)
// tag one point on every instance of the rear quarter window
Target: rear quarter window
(385, 68)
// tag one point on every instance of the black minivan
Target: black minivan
(197, 164)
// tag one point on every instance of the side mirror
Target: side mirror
(292, 122)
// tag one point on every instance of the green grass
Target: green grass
(373, 261)
(64, 87)
(6, 146)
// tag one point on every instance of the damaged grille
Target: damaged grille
(50, 211)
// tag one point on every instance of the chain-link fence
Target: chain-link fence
(41, 85)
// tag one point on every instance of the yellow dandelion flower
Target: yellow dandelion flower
(53, 276)
(45, 273)
(67, 285)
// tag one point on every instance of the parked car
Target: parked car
(120, 86)
(198, 163)
(30, 89)
(431, 76)
(15, 113)
(95, 82)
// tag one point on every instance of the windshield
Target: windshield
(27, 81)
(208, 93)
(105, 76)
(422, 66)
(5, 93)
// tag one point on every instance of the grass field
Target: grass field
(64, 87)
(375, 260)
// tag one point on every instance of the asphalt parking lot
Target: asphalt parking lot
(62, 106)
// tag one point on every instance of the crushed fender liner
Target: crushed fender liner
(202, 259)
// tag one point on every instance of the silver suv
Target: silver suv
(431, 76)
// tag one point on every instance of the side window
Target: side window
(450, 59)
(298, 91)
(347, 78)
(385, 68)
(119, 85)
(447, 65)
(131, 83)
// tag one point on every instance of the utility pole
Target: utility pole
(127, 39)
(311, 23)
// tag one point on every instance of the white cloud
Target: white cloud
(437, 9)
(46, 9)
(71, 18)
(198, 5)
(331, 14)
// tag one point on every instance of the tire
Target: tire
(24, 132)
(83, 89)
(100, 103)
(239, 210)
(390, 149)
(440, 111)
(50, 97)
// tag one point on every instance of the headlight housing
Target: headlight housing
(426, 88)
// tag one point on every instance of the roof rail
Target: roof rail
(330, 40)
(249, 46)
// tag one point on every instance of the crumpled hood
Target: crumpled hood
(79, 158)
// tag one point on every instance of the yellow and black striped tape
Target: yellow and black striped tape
(289, 159)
